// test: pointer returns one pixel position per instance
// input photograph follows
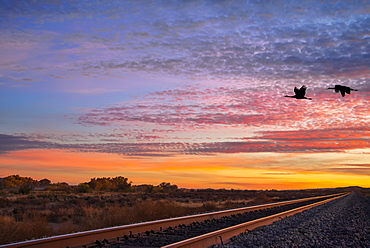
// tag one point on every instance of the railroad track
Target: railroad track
(115, 236)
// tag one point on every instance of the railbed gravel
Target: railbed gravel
(170, 235)
(344, 222)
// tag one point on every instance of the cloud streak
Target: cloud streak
(318, 141)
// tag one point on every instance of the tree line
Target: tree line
(25, 185)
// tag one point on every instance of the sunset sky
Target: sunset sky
(186, 92)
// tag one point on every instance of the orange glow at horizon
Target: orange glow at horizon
(249, 172)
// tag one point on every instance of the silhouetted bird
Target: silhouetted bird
(343, 89)
(299, 93)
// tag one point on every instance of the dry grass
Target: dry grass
(32, 227)
(147, 210)
(61, 220)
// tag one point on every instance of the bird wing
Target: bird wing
(301, 92)
(296, 90)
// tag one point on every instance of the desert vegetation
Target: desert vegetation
(34, 209)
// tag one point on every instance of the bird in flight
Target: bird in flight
(343, 89)
(299, 93)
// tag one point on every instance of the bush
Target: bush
(25, 189)
(84, 188)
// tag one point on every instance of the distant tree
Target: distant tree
(111, 184)
(44, 182)
(121, 183)
(167, 187)
(94, 184)
(16, 181)
(146, 188)
(84, 188)
(59, 187)
(99, 183)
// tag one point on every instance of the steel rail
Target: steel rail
(86, 237)
(223, 236)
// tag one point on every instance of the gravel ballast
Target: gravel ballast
(159, 238)
(344, 222)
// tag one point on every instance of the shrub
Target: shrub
(25, 189)
(84, 188)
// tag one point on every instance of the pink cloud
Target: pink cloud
(223, 107)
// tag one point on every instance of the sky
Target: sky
(186, 92)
